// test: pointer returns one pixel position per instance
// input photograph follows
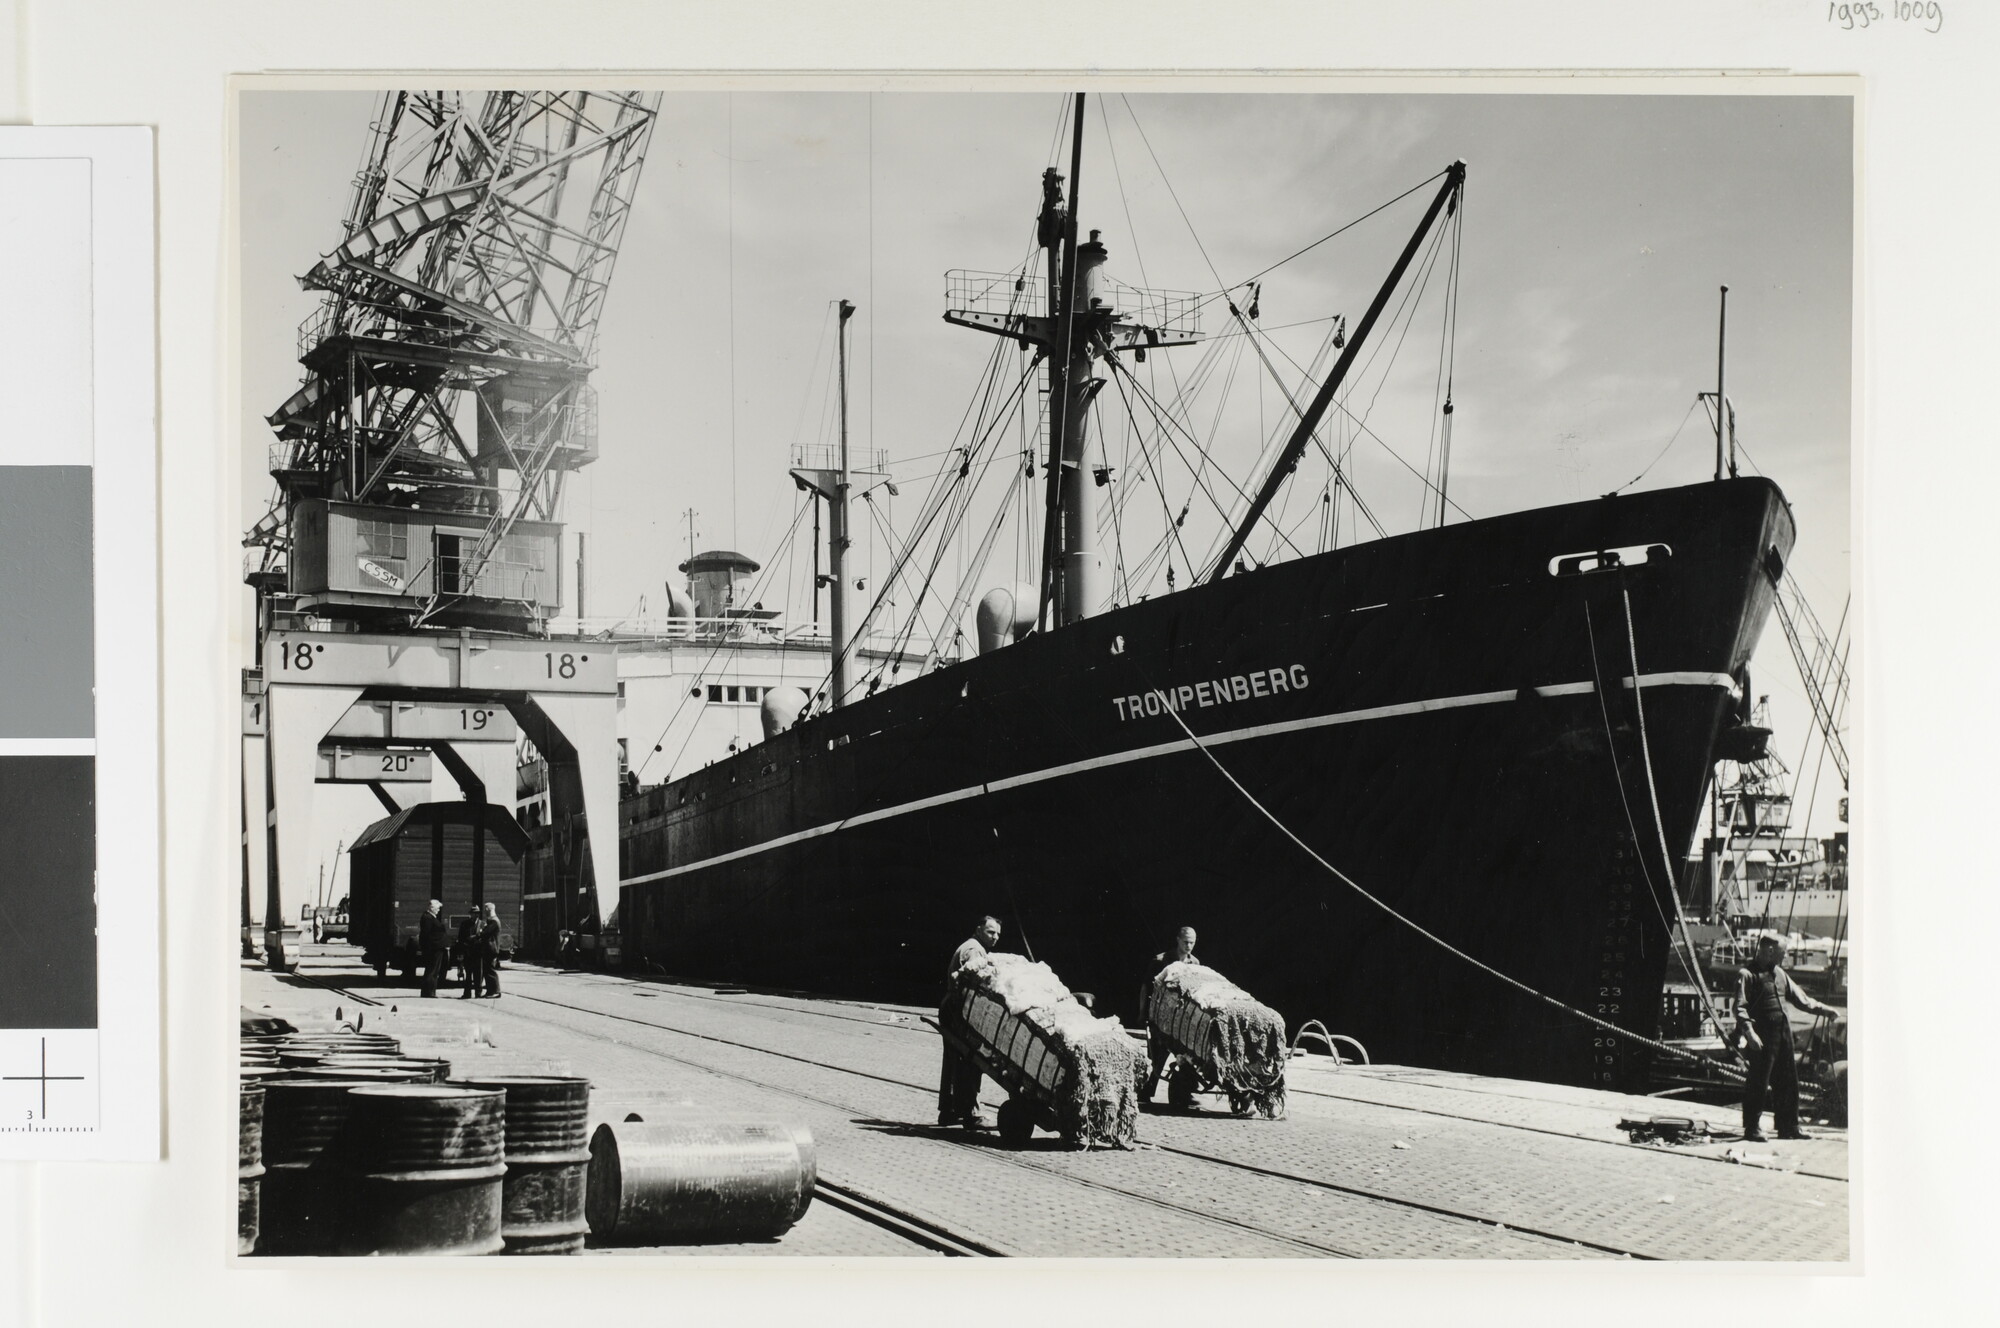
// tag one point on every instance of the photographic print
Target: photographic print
(1130, 672)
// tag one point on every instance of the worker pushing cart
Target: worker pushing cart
(1217, 1036)
(1064, 1069)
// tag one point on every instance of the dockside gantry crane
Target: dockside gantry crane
(447, 367)
(410, 563)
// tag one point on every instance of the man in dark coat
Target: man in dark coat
(1761, 992)
(433, 943)
(468, 955)
(489, 951)
(958, 1082)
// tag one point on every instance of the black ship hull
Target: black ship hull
(1446, 717)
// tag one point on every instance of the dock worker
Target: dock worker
(489, 951)
(1156, 1049)
(958, 1080)
(433, 944)
(1761, 992)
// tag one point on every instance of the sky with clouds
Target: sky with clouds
(1596, 231)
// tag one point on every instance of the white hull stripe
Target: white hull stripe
(1721, 680)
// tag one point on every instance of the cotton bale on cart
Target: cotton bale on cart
(1064, 1069)
(1221, 1039)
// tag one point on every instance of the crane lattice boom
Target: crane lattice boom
(448, 364)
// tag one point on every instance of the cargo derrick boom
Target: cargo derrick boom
(420, 465)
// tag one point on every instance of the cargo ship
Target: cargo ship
(1492, 736)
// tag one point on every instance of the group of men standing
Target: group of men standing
(479, 949)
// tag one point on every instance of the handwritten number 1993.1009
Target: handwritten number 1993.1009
(1853, 17)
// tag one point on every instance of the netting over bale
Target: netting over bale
(1235, 1039)
(1099, 1107)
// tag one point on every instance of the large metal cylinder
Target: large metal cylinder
(249, 1164)
(305, 1200)
(674, 1182)
(547, 1153)
(428, 1162)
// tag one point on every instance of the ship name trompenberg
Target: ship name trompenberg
(1220, 691)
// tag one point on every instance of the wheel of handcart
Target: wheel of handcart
(1017, 1122)
(1181, 1082)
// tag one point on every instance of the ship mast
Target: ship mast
(1082, 323)
(828, 474)
(838, 540)
(1058, 234)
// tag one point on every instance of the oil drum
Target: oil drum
(428, 1163)
(249, 1163)
(306, 1196)
(672, 1182)
(423, 1069)
(541, 1200)
(374, 1074)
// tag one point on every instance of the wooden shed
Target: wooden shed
(463, 853)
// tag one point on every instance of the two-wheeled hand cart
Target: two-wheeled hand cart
(1014, 1054)
(1182, 1033)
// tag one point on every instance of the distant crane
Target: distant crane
(420, 465)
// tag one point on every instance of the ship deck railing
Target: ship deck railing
(746, 630)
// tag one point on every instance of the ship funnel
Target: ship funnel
(1003, 615)
(780, 709)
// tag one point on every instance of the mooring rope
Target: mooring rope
(1693, 964)
(1433, 937)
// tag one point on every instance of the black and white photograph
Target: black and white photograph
(1140, 669)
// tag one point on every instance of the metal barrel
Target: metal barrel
(427, 1070)
(342, 1038)
(428, 1163)
(306, 1197)
(541, 1200)
(378, 1074)
(313, 1053)
(249, 1164)
(669, 1182)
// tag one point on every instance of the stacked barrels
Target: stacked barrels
(249, 1164)
(349, 1146)
(542, 1204)
(307, 1198)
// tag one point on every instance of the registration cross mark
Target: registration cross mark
(45, 1078)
